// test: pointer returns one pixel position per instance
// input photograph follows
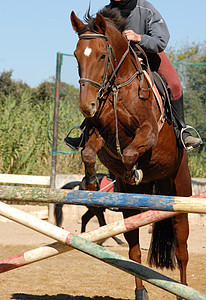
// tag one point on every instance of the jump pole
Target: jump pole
(90, 198)
(101, 253)
(96, 235)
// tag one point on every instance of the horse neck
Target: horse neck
(120, 46)
(128, 68)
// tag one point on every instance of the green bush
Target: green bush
(26, 131)
(26, 135)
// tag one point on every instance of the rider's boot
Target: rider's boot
(182, 133)
(76, 143)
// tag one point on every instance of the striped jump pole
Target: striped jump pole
(90, 198)
(96, 235)
(101, 253)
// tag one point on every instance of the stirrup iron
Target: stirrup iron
(82, 137)
(181, 137)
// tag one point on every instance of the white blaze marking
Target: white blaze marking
(87, 51)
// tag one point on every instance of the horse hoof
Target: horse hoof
(83, 185)
(134, 177)
(89, 186)
(141, 294)
(138, 175)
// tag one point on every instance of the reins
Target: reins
(115, 90)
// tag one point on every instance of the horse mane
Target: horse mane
(112, 16)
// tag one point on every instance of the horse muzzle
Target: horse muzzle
(89, 108)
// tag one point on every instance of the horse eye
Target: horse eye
(102, 56)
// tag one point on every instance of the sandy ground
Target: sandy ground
(74, 275)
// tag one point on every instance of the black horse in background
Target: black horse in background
(91, 211)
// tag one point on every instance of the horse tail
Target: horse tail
(163, 244)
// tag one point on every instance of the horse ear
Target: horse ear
(100, 24)
(77, 24)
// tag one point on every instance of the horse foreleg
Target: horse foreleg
(92, 146)
(90, 181)
(145, 139)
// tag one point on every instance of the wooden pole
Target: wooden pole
(102, 199)
(55, 131)
(96, 235)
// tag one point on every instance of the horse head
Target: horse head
(96, 59)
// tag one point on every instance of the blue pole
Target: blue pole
(102, 199)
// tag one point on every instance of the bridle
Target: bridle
(110, 54)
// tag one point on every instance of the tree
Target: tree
(43, 92)
(12, 88)
(193, 78)
(46, 91)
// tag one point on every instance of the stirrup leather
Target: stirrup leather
(181, 137)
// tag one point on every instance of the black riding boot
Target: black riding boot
(182, 133)
(76, 143)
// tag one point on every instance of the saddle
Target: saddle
(157, 83)
(161, 86)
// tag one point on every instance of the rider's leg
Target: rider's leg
(76, 143)
(179, 123)
(168, 72)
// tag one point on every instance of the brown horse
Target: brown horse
(124, 128)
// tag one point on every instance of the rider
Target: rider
(147, 28)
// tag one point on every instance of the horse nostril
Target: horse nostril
(93, 105)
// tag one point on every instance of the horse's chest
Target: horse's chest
(118, 119)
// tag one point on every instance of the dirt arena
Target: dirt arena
(74, 275)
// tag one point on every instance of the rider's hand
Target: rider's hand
(132, 36)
